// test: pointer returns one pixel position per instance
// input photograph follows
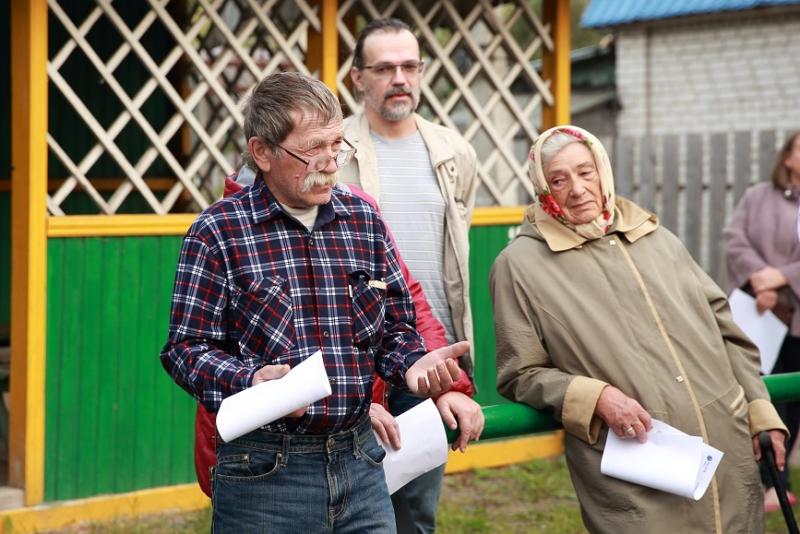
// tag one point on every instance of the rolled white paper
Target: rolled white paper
(259, 405)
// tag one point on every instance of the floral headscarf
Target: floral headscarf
(545, 199)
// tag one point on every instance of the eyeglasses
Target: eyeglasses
(384, 70)
(320, 162)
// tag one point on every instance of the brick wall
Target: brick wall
(715, 73)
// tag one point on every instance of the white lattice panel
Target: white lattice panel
(198, 59)
(154, 90)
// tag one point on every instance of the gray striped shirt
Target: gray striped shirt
(413, 207)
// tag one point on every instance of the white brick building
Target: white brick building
(707, 71)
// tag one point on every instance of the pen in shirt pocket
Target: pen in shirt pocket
(377, 284)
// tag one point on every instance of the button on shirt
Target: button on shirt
(252, 290)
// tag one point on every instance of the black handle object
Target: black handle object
(768, 456)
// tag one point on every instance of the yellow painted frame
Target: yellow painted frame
(178, 224)
(119, 225)
(183, 498)
(556, 66)
(28, 246)
(323, 46)
(496, 216)
(506, 452)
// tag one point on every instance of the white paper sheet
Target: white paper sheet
(423, 446)
(765, 330)
(670, 461)
(303, 385)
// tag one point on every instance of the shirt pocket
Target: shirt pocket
(368, 309)
(263, 319)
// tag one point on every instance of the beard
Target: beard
(318, 178)
(393, 111)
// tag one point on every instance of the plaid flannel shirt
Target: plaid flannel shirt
(255, 287)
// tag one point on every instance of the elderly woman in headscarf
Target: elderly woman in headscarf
(603, 318)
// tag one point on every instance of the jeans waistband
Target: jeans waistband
(309, 443)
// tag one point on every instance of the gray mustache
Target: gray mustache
(397, 91)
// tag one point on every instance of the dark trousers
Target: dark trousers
(788, 362)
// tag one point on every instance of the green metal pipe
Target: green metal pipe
(509, 420)
(783, 387)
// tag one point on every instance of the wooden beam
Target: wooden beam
(119, 225)
(556, 66)
(28, 246)
(323, 46)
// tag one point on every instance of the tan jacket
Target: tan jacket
(631, 309)
(456, 167)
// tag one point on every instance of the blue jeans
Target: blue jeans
(284, 483)
(421, 495)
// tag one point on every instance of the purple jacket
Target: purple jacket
(762, 232)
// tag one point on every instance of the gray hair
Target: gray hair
(268, 112)
(555, 144)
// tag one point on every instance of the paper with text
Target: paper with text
(423, 446)
(765, 330)
(259, 405)
(670, 461)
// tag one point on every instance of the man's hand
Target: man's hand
(778, 438)
(459, 411)
(766, 300)
(384, 425)
(623, 415)
(271, 372)
(767, 278)
(435, 372)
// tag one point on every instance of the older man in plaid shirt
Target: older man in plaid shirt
(268, 276)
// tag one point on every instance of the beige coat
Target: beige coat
(456, 167)
(631, 309)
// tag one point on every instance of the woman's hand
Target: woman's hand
(767, 278)
(766, 300)
(623, 415)
(778, 438)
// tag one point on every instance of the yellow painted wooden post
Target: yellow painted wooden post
(556, 63)
(29, 245)
(323, 46)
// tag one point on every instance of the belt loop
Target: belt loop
(356, 448)
(285, 451)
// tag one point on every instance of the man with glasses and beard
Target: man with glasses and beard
(271, 274)
(424, 177)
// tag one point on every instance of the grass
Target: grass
(529, 498)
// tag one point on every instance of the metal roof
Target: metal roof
(601, 13)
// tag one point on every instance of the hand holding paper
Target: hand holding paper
(623, 415)
(270, 400)
(273, 372)
(670, 461)
(435, 372)
(385, 426)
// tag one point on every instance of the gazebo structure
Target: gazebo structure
(124, 119)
